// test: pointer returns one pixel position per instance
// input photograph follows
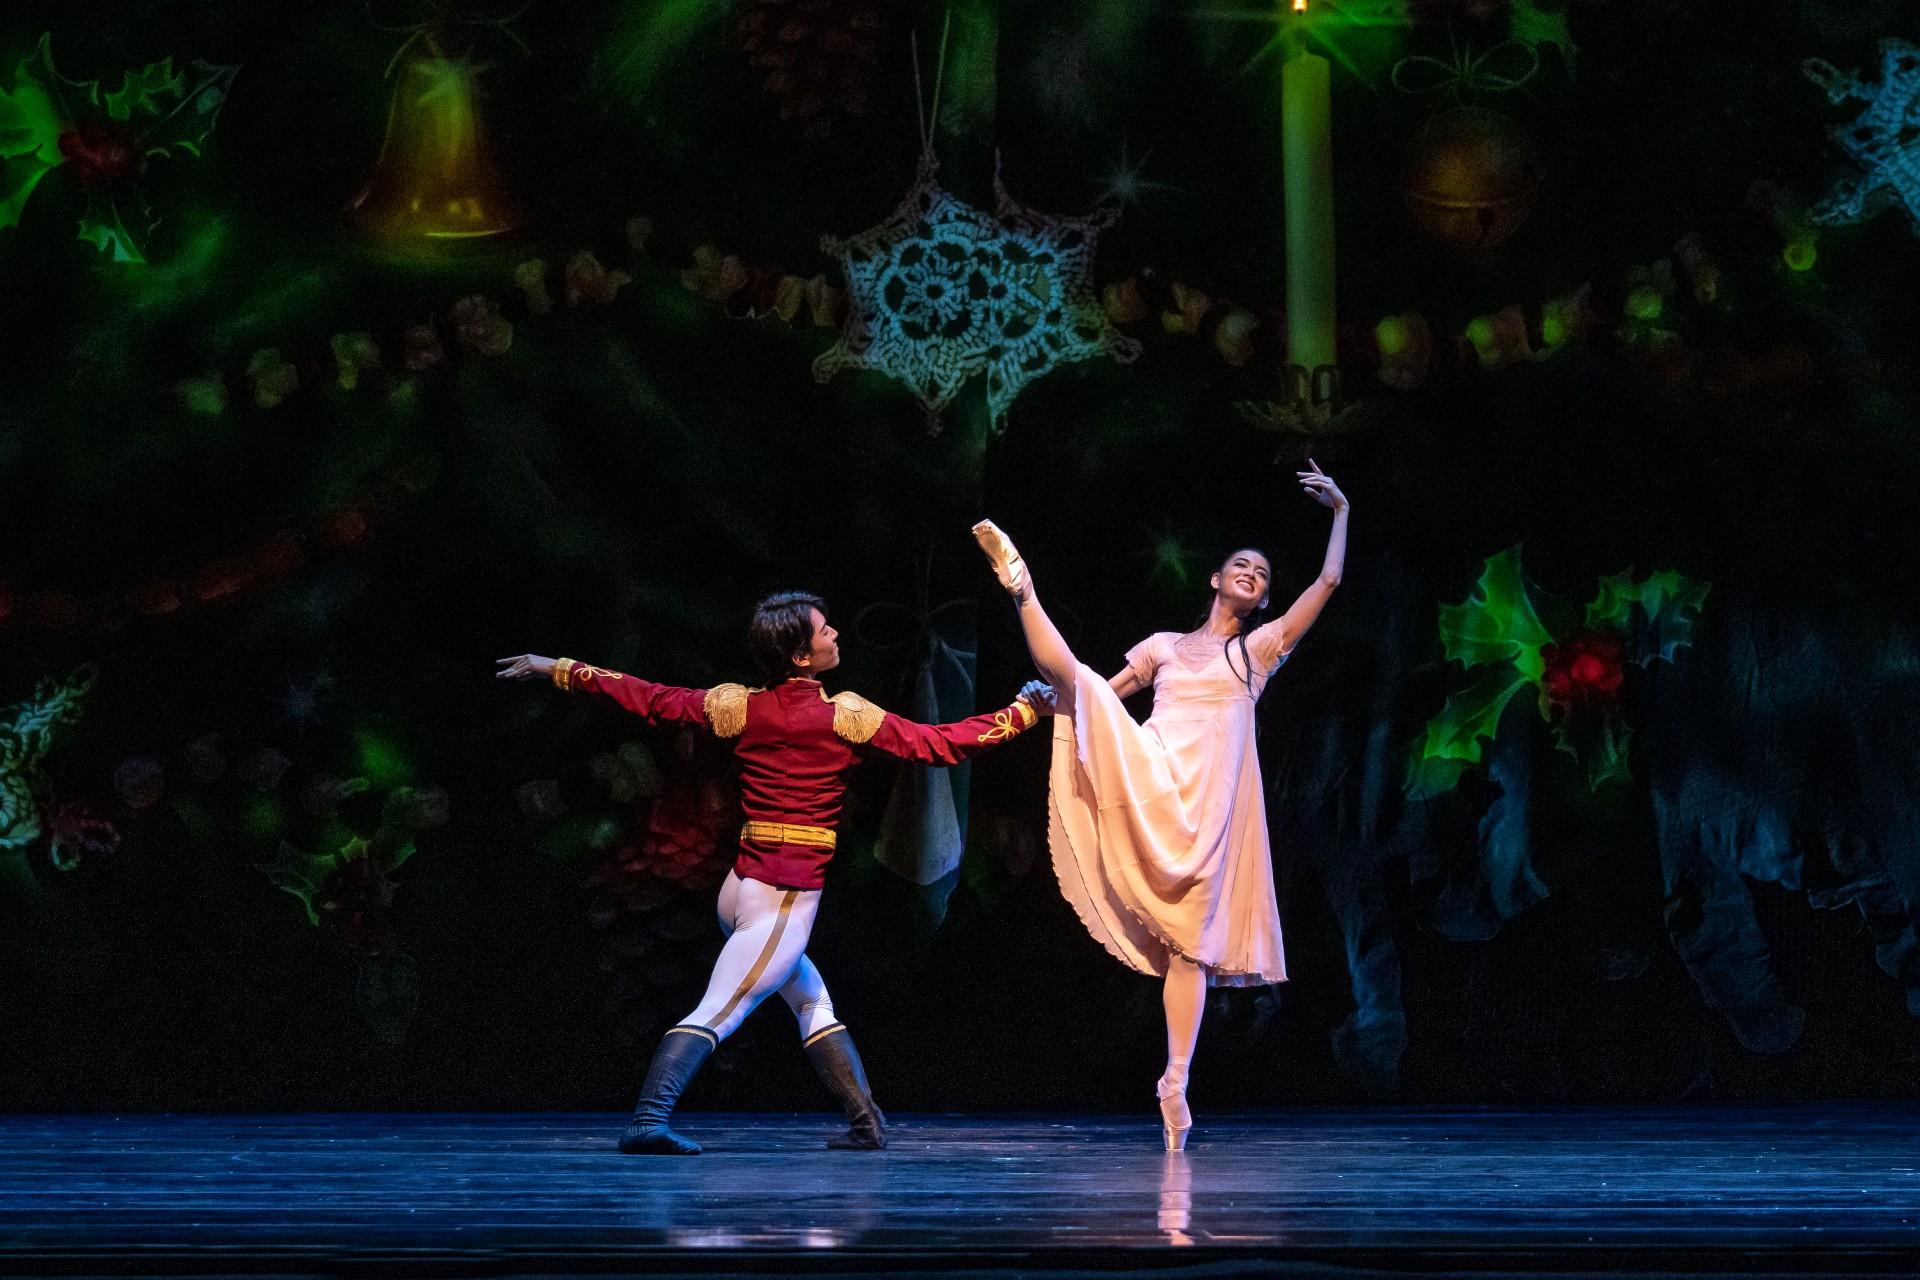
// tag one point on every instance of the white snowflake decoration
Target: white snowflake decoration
(27, 733)
(1884, 139)
(941, 291)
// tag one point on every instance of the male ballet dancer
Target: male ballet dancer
(796, 746)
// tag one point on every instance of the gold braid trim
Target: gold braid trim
(568, 674)
(1006, 723)
(854, 718)
(726, 708)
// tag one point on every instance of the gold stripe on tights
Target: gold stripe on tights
(760, 964)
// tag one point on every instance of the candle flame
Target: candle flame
(1299, 6)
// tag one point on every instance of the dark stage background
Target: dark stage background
(282, 481)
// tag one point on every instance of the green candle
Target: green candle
(1306, 118)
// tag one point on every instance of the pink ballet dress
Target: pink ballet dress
(1159, 830)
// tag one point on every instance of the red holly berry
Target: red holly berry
(101, 155)
(1584, 671)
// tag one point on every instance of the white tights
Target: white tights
(767, 931)
(1185, 997)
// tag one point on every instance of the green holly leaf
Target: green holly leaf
(104, 229)
(398, 855)
(1428, 777)
(71, 97)
(171, 112)
(305, 875)
(299, 873)
(31, 120)
(1497, 624)
(19, 175)
(1656, 615)
(1455, 738)
(148, 91)
(188, 110)
(1597, 738)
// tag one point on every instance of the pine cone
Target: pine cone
(816, 55)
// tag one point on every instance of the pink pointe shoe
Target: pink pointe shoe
(1175, 1119)
(1008, 567)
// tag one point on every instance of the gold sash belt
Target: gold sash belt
(790, 833)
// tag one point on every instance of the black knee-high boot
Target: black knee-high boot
(832, 1054)
(679, 1056)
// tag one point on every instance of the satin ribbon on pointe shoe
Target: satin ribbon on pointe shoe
(1175, 1120)
(1008, 567)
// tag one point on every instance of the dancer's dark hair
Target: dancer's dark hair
(782, 626)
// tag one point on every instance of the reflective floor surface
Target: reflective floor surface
(1789, 1190)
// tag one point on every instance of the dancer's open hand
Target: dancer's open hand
(1320, 486)
(528, 666)
(1037, 694)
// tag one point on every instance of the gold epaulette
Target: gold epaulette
(854, 718)
(726, 708)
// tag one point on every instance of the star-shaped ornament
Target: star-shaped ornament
(942, 291)
(1884, 139)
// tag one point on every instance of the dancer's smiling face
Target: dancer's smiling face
(823, 649)
(1242, 580)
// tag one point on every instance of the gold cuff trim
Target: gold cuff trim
(569, 674)
(726, 709)
(694, 1031)
(790, 833)
(822, 1034)
(1007, 723)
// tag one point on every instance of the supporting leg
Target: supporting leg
(767, 939)
(840, 1069)
(682, 1051)
(829, 1048)
(806, 994)
(1184, 996)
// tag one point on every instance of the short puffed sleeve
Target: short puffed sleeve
(1269, 646)
(1144, 659)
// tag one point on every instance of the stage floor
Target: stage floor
(1788, 1190)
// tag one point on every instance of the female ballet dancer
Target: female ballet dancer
(1159, 830)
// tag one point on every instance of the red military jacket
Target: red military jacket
(796, 747)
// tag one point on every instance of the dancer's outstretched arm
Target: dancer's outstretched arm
(1278, 637)
(658, 703)
(939, 744)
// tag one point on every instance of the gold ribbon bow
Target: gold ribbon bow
(1418, 73)
(1013, 720)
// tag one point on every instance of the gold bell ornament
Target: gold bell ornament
(435, 178)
